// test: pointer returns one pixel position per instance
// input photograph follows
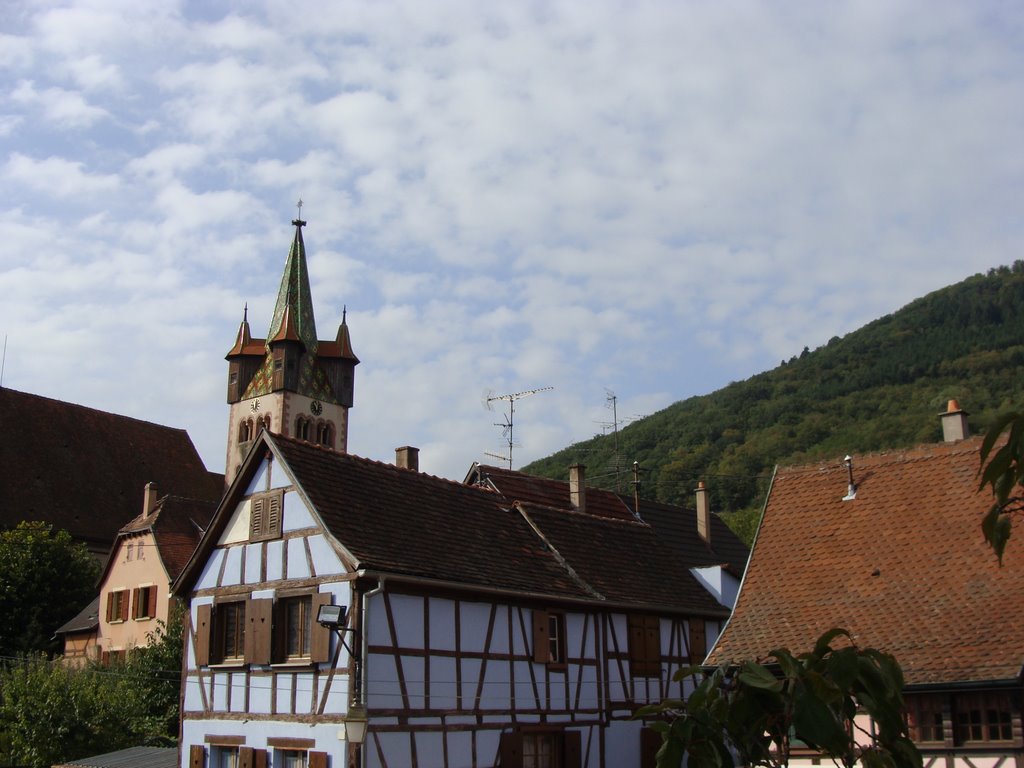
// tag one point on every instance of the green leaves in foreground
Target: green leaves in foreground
(1003, 470)
(756, 712)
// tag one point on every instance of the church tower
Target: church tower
(290, 382)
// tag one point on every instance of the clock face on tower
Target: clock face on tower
(255, 406)
(315, 408)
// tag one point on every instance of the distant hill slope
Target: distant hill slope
(879, 387)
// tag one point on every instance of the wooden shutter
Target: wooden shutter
(572, 749)
(273, 524)
(317, 760)
(256, 514)
(652, 644)
(650, 743)
(320, 640)
(259, 758)
(204, 620)
(258, 626)
(110, 606)
(510, 749)
(135, 603)
(636, 640)
(698, 641)
(124, 605)
(151, 602)
(541, 638)
(196, 756)
(245, 757)
(105, 658)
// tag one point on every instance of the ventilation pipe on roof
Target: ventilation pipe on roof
(703, 512)
(149, 499)
(408, 457)
(954, 423)
(851, 488)
(577, 491)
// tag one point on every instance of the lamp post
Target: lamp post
(335, 618)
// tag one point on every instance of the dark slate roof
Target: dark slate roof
(87, 620)
(134, 757)
(903, 566)
(85, 470)
(676, 526)
(408, 524)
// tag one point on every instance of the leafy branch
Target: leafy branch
(1003, 470)
(754, 713)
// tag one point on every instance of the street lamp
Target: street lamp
(335, 618)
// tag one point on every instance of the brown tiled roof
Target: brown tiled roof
(676, 526)
(84, 470)
(177, 524)
(87, 620)
(903, 566)
(406, 523)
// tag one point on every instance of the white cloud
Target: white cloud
(56, 176)
(68, 109)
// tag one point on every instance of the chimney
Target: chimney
(408, 457)
(703, 513)
(577, 491)
(149, 499)
(954, 423)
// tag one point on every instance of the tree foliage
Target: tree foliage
(51, 713)
(758, 710)
(880, 387)
(1002, 468)
(45, 579)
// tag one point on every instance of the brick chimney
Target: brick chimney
(408, 457)
(954, 423)
(577, 491)
(149, 497)
(703, 513)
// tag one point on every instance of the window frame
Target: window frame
(984, 704)
(144, 602)
(266, 515)
(117, 605)
(548, 650)
(921, 711)
(219, 632)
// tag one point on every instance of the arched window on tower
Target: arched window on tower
(325, 434)
(302, 428)
(245, 431)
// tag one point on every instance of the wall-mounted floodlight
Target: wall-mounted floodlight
(334, 618)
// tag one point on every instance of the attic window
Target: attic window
(265, 510)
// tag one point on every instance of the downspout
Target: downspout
(364, 646)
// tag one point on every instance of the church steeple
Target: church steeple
(290, 382)
(293, 314)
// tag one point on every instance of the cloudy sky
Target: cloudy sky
(648, 198)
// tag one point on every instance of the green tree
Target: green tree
(45, 579)
(757, 710)
(155, 671)
(51, 713)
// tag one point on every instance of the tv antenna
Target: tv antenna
(506, 427)
(612, 403)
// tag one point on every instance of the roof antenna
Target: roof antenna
(506, 431)
(851, 489)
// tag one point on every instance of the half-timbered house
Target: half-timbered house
(480, 630)
(889, 547)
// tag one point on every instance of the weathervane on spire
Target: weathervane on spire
(299, 222)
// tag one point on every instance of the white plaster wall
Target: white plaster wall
(442, 682)
(253, 558)
(474, 617)
(295, 515)
(297, 564)
(325, 559)
(442, 624)
(407, 612)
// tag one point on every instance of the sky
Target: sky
(651, 199)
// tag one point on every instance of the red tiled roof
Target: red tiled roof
(85, 470)
(177, 524)
(903, 566)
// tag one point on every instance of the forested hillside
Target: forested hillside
(880, 387)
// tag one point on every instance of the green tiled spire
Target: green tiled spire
(294, 299)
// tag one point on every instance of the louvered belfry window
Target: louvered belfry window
(265, 515)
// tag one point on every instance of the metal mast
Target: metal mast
(506, 427)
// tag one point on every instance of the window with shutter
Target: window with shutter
(265, 515)
(228, 632)
(698, 641)
(644, 646)
(197, 756)
(549, 638)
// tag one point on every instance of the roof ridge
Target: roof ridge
(587, 515)
(92, 408)
(884, 456)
